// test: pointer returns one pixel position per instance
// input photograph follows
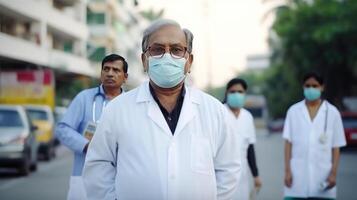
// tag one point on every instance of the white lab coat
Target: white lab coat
(133, 154)
(311, 160)
(244, 129)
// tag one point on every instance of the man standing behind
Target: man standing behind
(163, 140)
(78, 125)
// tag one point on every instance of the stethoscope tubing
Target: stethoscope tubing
(94, 104)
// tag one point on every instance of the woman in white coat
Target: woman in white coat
(313, 134)
(242, 122)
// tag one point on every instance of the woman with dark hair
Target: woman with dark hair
(242, 120)
(313, 134)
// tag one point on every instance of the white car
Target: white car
(18, 145)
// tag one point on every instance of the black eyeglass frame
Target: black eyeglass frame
(162, 54)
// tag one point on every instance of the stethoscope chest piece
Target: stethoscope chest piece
(323, 138)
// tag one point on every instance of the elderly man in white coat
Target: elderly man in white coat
(163, 140)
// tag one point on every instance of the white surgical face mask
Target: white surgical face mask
(167, 72)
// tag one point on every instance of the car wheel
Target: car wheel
(24, 169)
(47, 153)
(33, 167)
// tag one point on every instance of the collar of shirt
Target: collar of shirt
(101, 91)
(171, 118)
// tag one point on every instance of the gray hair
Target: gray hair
(156, 25)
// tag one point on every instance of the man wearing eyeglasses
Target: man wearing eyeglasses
(163, 140)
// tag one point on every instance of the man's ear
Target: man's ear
(188, 64)
(144, 62)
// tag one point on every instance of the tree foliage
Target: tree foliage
(151, 14)
(320, 36)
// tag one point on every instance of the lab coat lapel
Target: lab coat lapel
(188, 110)
(156, 115)
(153, 110)
(305, 112)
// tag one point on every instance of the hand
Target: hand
(257, 183)
(331, 180)
(288, 179)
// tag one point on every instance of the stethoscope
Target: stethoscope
(94, 104)
(323, 136)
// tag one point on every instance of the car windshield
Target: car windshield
(349, 122)
(10, 118)
(256, 112)
(37, 114)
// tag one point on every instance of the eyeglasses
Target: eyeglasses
(159, 51)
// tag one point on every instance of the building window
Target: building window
(95, 18)
(97, 54)
(68, 47)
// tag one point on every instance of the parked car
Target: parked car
(276, 126)
(18, 145)
(42, 117)
(349, 120)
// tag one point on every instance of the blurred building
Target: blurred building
(115, 26)
(257, 62)
(70, 37)
(44, 34)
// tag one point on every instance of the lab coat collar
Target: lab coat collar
(188, 111)
(305, 112)
(101, 90)
(231, 113)
(145, 95)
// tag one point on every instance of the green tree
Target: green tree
(151, 14)
(320, 36)
(68, 88)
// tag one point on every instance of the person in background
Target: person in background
(79, 123)
(163, 139)
(313, 134)
(243, 124)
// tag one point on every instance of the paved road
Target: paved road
(270, 157)
(51, 179)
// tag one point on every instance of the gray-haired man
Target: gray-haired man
(163, 140)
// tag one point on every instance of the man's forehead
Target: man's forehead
(114, 64)
(168, 35)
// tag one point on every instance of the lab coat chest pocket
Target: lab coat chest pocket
(201, 155)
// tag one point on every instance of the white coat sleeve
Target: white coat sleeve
(338, 138)
(227, 162)
(252, 135)
(67, 128)
(100, 164)
(287, 126)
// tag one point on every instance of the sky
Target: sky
(225, 33)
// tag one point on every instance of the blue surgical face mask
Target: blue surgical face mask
(167, 72)
(236, 100)
(312, 94)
